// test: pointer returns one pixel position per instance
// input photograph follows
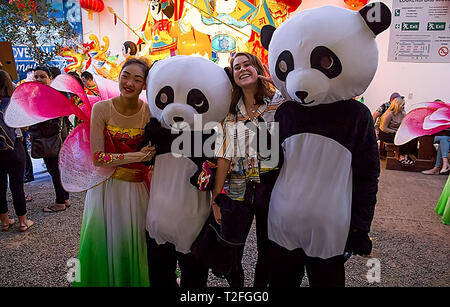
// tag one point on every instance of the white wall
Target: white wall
(418, 82)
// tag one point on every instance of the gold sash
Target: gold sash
(129, 174)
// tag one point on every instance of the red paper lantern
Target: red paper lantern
(292, 5)
(355, 4)
(92, 6)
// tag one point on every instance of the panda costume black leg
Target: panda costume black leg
(323, 201)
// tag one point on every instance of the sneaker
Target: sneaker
(433, 171)
(445, 170)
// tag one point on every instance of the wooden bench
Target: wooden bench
(425, 160)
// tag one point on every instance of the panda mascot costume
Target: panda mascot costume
(186, 95)
(322, 204)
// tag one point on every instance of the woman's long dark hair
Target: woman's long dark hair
(264, 87)
(6, 85)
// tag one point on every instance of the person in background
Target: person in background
(376, 120)
(54, 71)
(389, 124)
(383, 108)
(46, 130)
(29, 77)
(29, 174)
(441, 166)
(75, 99)
(89, 84)
(12, 164)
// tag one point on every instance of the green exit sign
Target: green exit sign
(436, 26)
(410, 26)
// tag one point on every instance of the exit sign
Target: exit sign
(436, 26)
(410, 26)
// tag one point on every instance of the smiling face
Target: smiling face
(42, 77)
(132, 81)
(245, 74)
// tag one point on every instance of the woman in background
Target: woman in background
(12, 163)
(47, 130)
(389, 124)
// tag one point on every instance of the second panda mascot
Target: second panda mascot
(182, 92)
(324, 198)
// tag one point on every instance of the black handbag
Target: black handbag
(47, 147)
(218, 246)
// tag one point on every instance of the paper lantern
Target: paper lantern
(292, 5)
(92, 6)
(355, 4)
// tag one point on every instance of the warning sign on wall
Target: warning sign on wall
(420, 31)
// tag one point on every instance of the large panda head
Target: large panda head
(180, 88)
(325, 54)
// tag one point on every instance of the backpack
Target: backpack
(7, 134)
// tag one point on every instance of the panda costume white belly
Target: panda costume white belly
(177, 215)
(307, 224)
(311, 203)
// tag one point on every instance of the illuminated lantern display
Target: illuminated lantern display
(213, 29)
(355, 4)
(92, 6)
(269, 12)
(231, 25)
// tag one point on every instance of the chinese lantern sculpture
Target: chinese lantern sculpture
(92, 6)
(356, 4)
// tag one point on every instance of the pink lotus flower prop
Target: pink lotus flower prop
(426, 118)
(32, 103)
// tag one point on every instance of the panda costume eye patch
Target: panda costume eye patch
(324, 60)
(285, 64)
(164, 97)
(198, 101)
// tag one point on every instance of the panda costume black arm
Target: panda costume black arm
(162, 139)
(366, 170)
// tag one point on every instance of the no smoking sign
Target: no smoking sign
(443, 51)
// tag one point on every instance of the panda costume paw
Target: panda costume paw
(358, 243)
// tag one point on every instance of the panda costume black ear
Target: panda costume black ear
(266, 35)
(377, 16)
(229, 73)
